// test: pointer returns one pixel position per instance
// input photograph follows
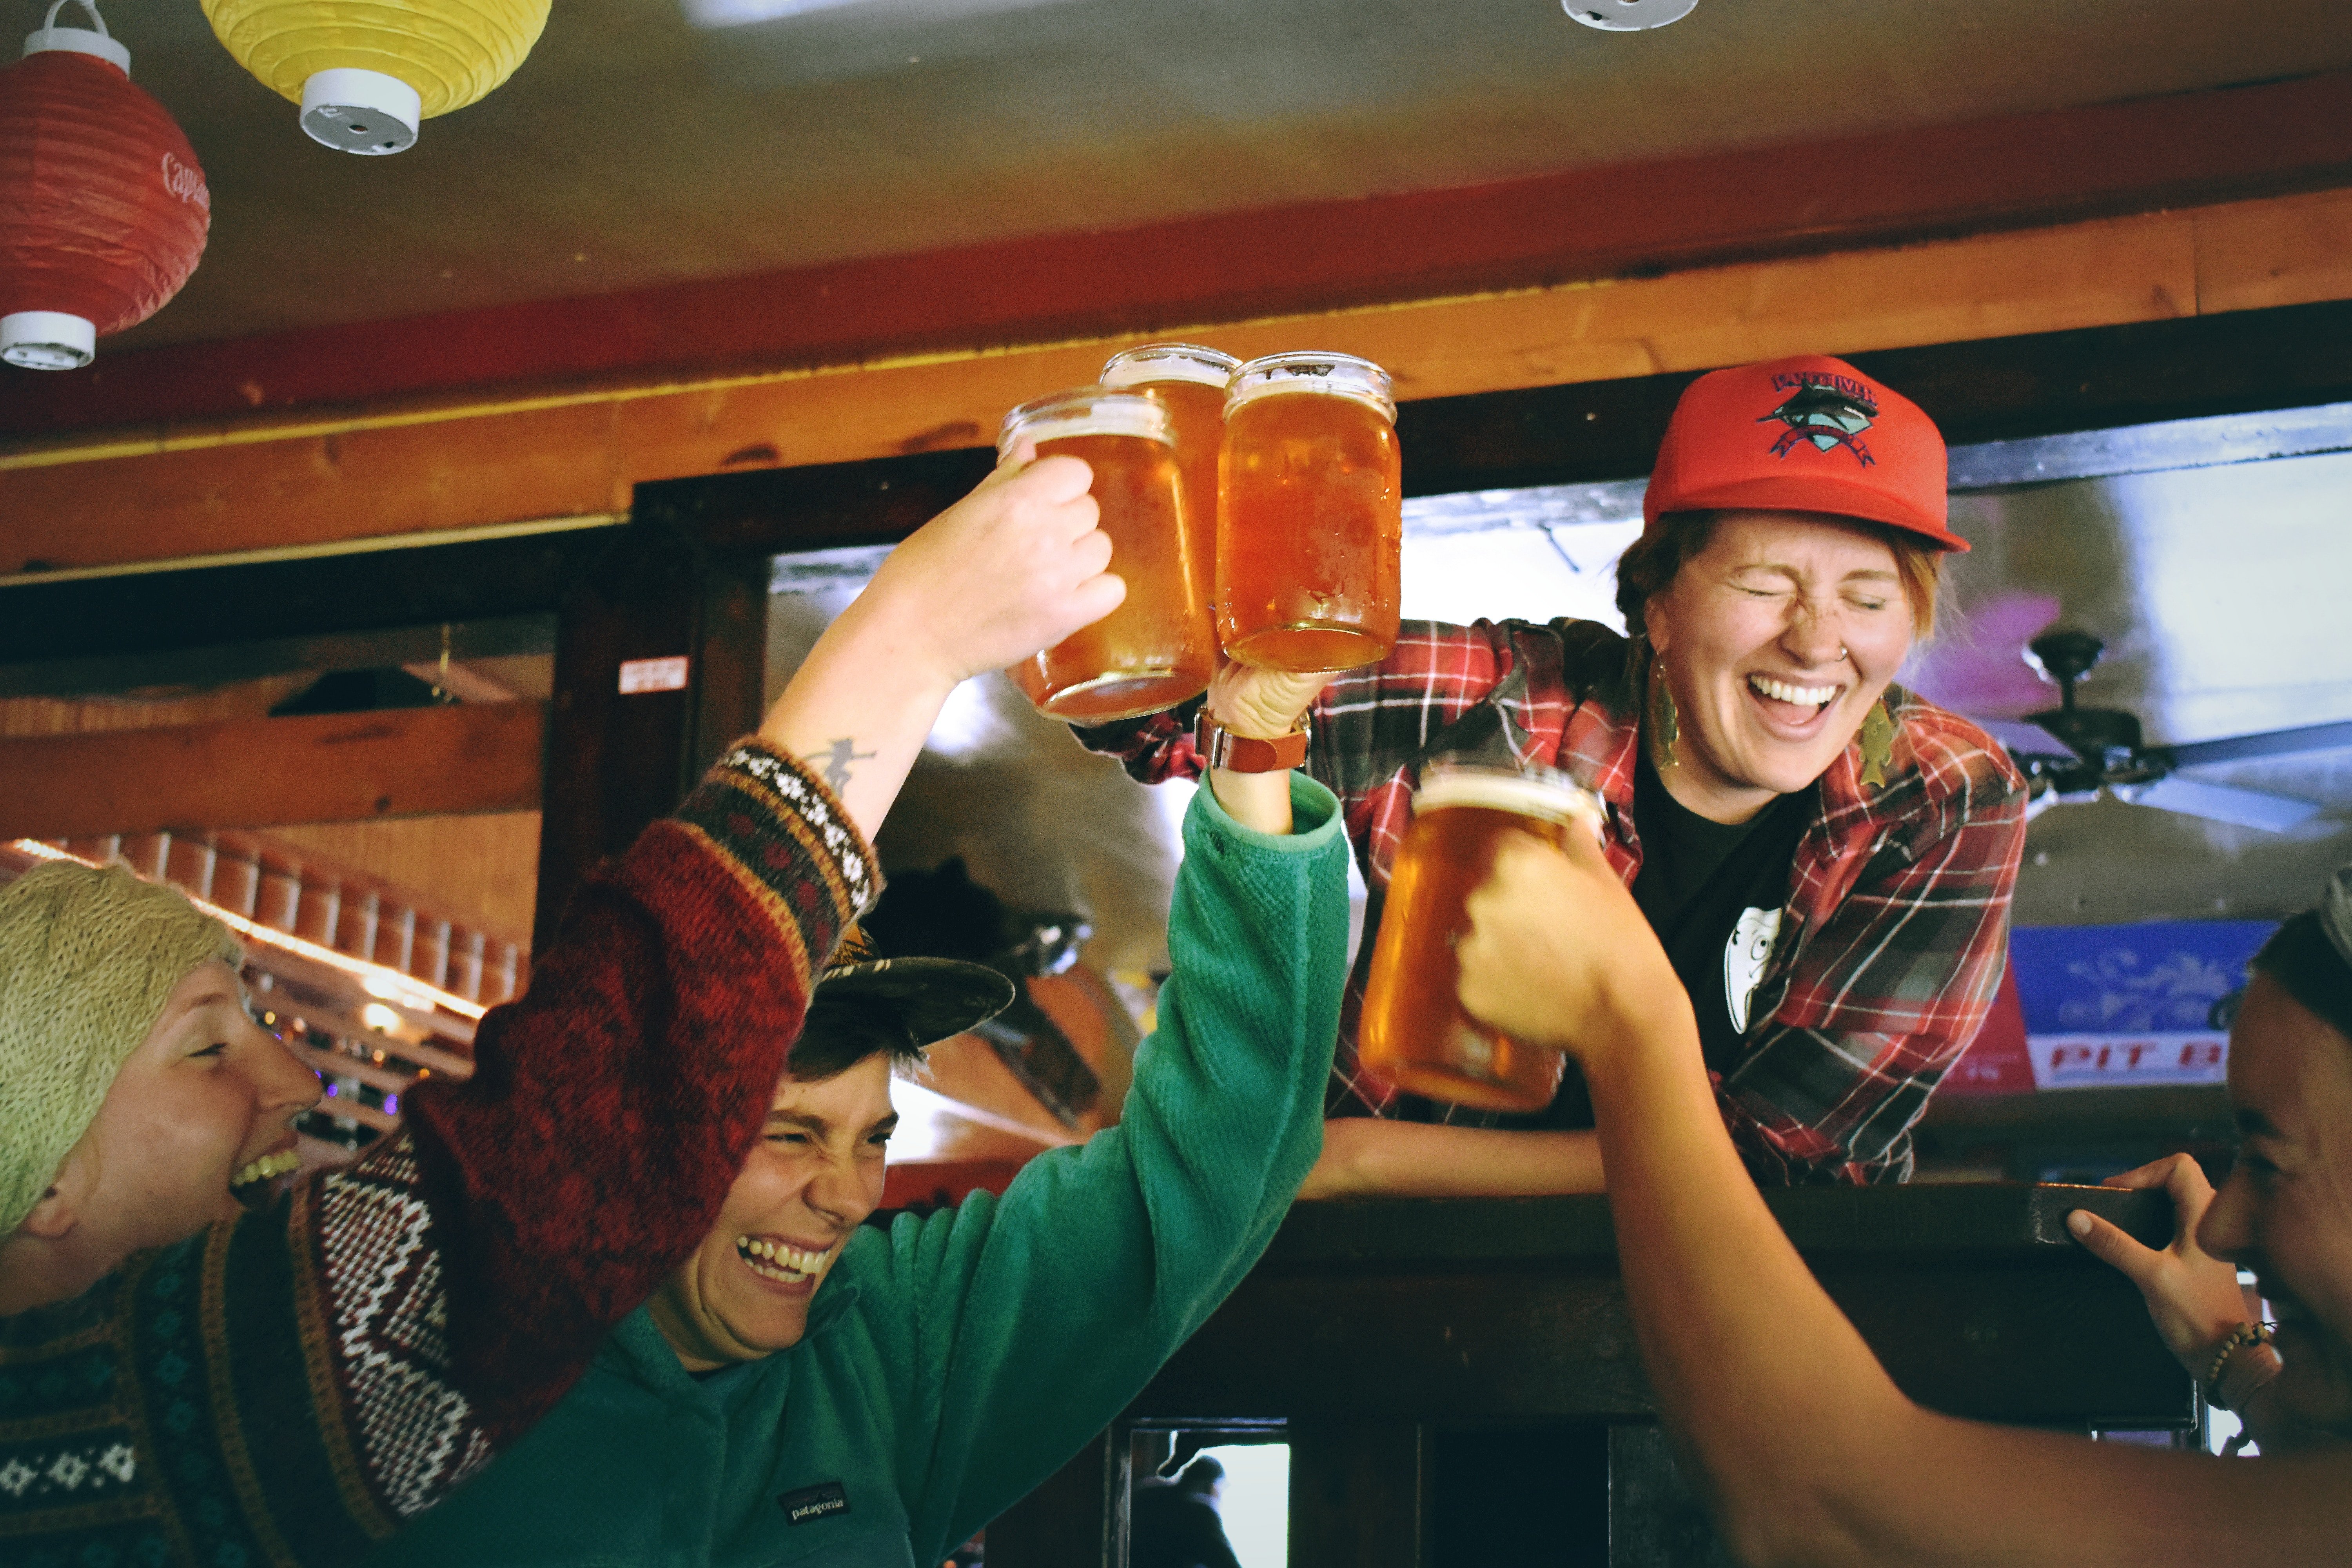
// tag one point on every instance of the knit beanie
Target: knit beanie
(89, 955)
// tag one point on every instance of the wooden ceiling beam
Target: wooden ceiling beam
(109, 633)
(293, 483)
(1587, 223)
(1999, 389)
(335, 767)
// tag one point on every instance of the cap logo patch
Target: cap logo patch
(1825, 409)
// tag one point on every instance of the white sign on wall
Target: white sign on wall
(2123, 1061)
(653, 675)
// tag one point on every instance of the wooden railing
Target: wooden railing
(1458, 1381)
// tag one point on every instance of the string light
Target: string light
(400, 986)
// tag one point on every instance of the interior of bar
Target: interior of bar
(1076, 783)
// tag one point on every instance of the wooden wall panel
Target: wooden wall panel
(2083, 275)
(60, 716)
(2297, 250)
(335, 767)
(480, 869)
(196, 493)
(88, 504)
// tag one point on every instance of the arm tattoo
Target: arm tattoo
(835, 760)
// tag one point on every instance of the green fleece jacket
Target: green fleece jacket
(955, 1362)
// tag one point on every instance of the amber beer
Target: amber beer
(1414, 1034)
(1310, 515)
(1191, 380)
(1159, 647)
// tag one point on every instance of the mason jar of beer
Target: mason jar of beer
(1192, 381)
(1414, 1034)
(1159, 647)
(1310, 516)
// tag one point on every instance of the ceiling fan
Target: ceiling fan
(2071, 753)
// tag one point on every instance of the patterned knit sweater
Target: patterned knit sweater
(290, 1386)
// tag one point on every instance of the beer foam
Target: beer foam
(1552, 799)
(1089, 411)
(1333, 375)
(1169, 362)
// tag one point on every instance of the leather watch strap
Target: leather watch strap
(1221, 748)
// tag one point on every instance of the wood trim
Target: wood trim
(327, 596)
(2040, 384)
(625, 755)
(382, 472)
(1584, 224)
(1999, 389)
(652, 591)
(2002, 388)
(1500, 1310)
(341, 767)
(1361, 1493)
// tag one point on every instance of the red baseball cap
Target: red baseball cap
(1806, 434)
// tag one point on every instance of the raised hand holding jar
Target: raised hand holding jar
(1159, 648)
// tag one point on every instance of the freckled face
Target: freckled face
(1750, 634)
(815, 1176)
(2286, 1211)
(207, 1094)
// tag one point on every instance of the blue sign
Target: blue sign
(2126, 1004)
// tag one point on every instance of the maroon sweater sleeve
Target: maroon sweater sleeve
(611, 1105)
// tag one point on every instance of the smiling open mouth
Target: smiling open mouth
(1814, 697)
(779, 1260)
(255, 1181)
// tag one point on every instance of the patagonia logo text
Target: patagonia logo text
(822, 1500)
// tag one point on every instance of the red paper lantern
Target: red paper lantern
(103, 210)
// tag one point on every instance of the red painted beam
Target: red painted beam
(1593, 223)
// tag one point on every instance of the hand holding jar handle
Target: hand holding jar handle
(1014, 566)
(1557, 953)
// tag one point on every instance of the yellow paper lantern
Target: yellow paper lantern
(366, 71)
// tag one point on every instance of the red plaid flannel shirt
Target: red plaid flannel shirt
(1893, 939)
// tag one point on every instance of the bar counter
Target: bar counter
(1458, 1380)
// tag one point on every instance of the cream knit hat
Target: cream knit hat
(87, 957)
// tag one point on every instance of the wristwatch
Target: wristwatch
(1221, 748)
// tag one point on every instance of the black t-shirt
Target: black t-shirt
(1713, 894)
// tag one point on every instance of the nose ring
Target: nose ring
(1842, 652)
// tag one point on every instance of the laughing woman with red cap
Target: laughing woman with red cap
(1826, 858)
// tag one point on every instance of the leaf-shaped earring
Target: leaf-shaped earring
(1667, 728)
(1877, 744)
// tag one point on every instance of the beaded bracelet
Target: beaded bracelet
(2244, 1335)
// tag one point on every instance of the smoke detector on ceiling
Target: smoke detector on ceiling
(1628, 15)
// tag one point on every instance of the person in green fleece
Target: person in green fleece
(807, 1389)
